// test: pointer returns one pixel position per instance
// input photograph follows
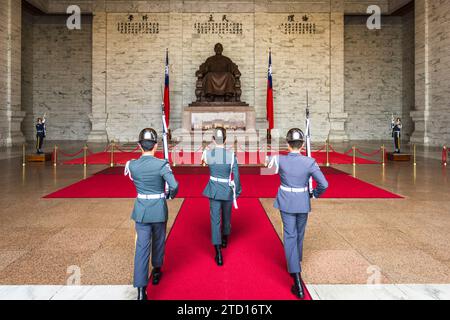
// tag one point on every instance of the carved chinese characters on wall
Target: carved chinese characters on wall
(305, 26)
(134, 24)
(218, 25)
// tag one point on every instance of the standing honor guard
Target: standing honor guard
(150, 212)
(221, 190)
(41, 132)
(293, 200)
(396, 133)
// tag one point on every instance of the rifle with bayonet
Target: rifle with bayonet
(164, 136)
(308, 140)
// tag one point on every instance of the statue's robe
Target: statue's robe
(219, 77)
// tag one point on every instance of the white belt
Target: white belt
(296, 190)
(219, 180)
(151, 196)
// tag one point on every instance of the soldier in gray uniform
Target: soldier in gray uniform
(293, 200)
(221, 190)
(150, 176)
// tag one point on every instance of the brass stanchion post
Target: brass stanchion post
(85, 148)
(354, 156)
(415, 155)
(112, 154)
(24, 155)
(445, 155)
(328, 152)
(383, 155)
(55, 156)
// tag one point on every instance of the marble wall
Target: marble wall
(10, 73)
(116, 78)
(432, 42)
(57, 77)
(373, 77)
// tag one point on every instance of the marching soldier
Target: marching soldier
(150, 212)
(397, 133)
(293, 200)
(221, 190)
(41, 132)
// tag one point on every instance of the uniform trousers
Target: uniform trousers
(220, 212)
(151, 237)
(294, 226)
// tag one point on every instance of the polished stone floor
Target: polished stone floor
(348, 242)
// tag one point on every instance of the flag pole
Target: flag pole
(269, 99)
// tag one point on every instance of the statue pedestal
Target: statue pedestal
(238, 119)
(233, 118)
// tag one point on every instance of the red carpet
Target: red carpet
(254, 269)
(114, 184)
(194, 158)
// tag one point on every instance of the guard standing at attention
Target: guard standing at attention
(294, 200)
(150, 176)
(41, 132)
(397, 133)
(221, 190)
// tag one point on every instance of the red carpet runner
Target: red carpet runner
(189, 158)
(113, 184)
(254, 269)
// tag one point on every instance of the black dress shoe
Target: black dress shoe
(224, 241)
(219, 258)
(156, 276)
(297, 288)
(142, 293)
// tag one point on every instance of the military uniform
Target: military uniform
(221, 190)
(150, 212)
(294, 201)
(41, 133)
(397, 134)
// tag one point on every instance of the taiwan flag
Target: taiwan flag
(269, 103)
(167, 91)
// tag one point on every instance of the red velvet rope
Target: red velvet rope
(70, 155)
(368, 154)
(123, 151)
(348, 152)
(321, 148)
(331, 148)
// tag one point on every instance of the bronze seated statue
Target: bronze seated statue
(218, 79)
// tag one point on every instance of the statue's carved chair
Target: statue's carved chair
(200, 90)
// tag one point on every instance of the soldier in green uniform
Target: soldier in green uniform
(150, 176)
(221, 190)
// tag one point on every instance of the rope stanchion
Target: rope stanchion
(328, 153)
(415, 155)
(112, 154)
(383, 155)
(24, 155)
(55, 156)
(354, 156)
(444, 155)
(85, 149)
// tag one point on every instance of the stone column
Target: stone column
(11, 115)
(99, 114)
(421, 113)
(337, 116)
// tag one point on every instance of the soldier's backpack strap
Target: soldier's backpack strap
(231, 182)
(127, 171)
